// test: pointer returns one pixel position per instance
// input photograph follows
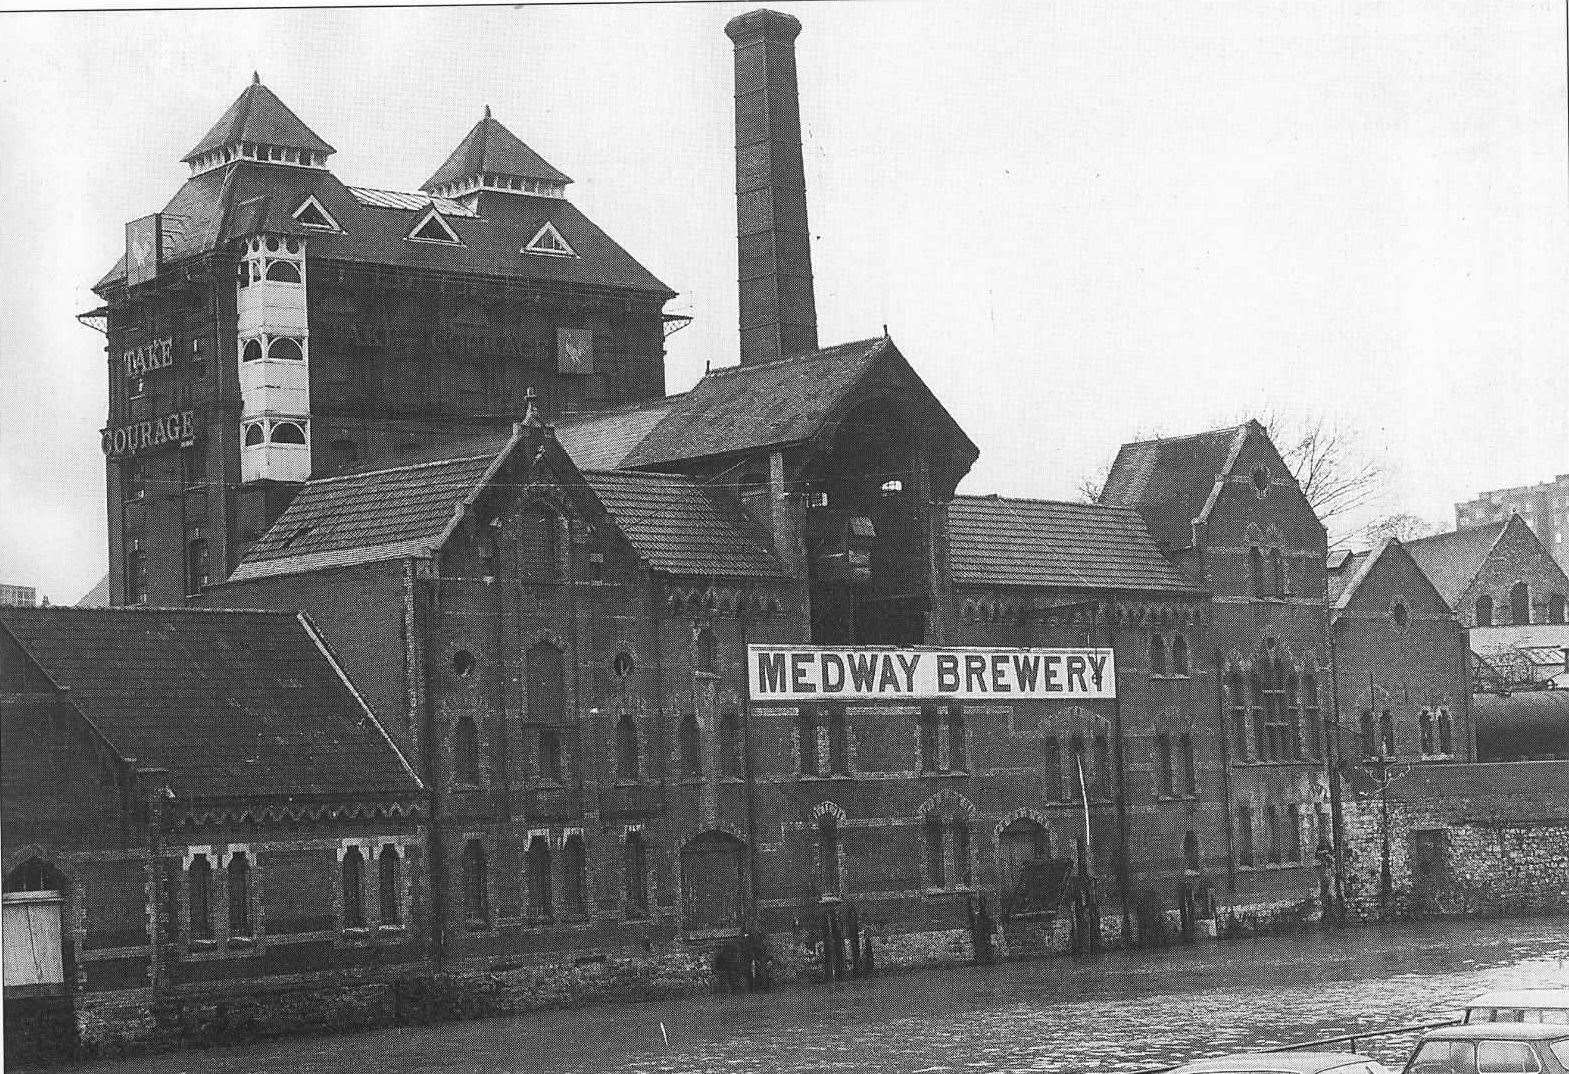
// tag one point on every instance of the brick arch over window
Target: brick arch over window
(948, 803)
(1519, 604)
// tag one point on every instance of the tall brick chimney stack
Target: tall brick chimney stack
(778, 310)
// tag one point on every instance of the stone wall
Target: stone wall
(1476, 839)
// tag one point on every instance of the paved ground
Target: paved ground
(1119, 1014)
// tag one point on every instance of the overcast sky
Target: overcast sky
(1082, 222)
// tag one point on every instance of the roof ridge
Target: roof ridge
(467, 457)
(624, 408)
(730, 370)
(1191, 436)
(1501, 523)
(147, 609)
(995, 497)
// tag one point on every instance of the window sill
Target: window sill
(934, 772)
(827, 775)
(201, 947)
(1177, 676)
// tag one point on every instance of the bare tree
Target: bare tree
(1335, 474)
(1402, 526)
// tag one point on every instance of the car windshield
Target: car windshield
(1444, 1057)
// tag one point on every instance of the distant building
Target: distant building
(1545, 508)
(1496, 575)
(18, 596)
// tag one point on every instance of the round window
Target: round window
(1261, 480)
(623, 664)
(1399, 615)
(463, 663)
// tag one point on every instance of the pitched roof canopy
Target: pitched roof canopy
(1170, 480)
(995, 540)
(490, 149)
(258, 117)
(231, 703)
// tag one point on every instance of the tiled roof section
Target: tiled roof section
(232, 703)
(1452, 560)
(681, 527)
(365, 517)
(998, 541)
(1343, 567)
(491, 149)
(752, 406)
(375, 198)
(232, 202)
(602, 440)
(258, 117)
(1170, 480)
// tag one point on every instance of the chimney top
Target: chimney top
(763, 23)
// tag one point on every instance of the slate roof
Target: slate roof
(1002, 541)
(257, 116)
(1452, 560)
(239, 199)
(747, 407)
(490, 149)
(1170, 480)
(366, 517)
(232, 703)
(1342, 568)
(679, 526)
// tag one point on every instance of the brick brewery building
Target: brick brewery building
(436, 424)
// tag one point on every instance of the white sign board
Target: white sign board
(802, 673)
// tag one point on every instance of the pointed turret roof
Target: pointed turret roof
(258, 117)
(491, 149)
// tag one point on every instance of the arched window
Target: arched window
(288, 432)
(929, 738)
(731, 761)
(389, 897)
(1519, 604)
(546, 689)
(539, 900)
(550, 754)
(706, 651)
(1157, 655)
(476, 886)
(1236, 699)
(465, 751)
(958, 745)
(1446, 732)
(252, 351)
(198, 883)
(196, 576)
(1312, 717)
(538, 544)
(1484, 610)
(255, 433)
(1386, 733)
(285, 349)
(838, 742)
(1190, 769)
(1256, 573)
(936, 873)
(1165, 777)
(961, 852)
(626, 749)
(691, 744)
(806, 732)
(634, 868)
(1368, 733)
(283, 272)
(1245, 854)
(1179, 655)
(828, 853)
(1260, 728)
(1293, 833)
(353, 888)
(1293, 705)
(1399, 615)
(1272, 831)
(238, 877)
(1190, 852)
(574, 875)
(1277, 563)
(1425, 729)
(1051, 768)
(1556, 612)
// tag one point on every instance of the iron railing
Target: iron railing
(1348, 1039)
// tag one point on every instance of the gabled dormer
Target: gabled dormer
(492, 158)
(258, 127)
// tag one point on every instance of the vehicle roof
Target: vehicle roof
(1284, 1062)
(1500, 1031)
(1523, 997)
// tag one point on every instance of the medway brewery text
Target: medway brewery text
(791, 673)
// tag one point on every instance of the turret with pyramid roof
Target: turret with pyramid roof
(258, 126)
(492, 158)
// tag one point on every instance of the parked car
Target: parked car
(1493, 1048)
(1285, 1063)
(1520, 1005)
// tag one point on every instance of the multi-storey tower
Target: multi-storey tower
(272, 324)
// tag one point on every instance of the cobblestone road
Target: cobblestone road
(1122, 1013)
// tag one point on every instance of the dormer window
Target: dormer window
(432, 228)
(547, 240)
(312, 214)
